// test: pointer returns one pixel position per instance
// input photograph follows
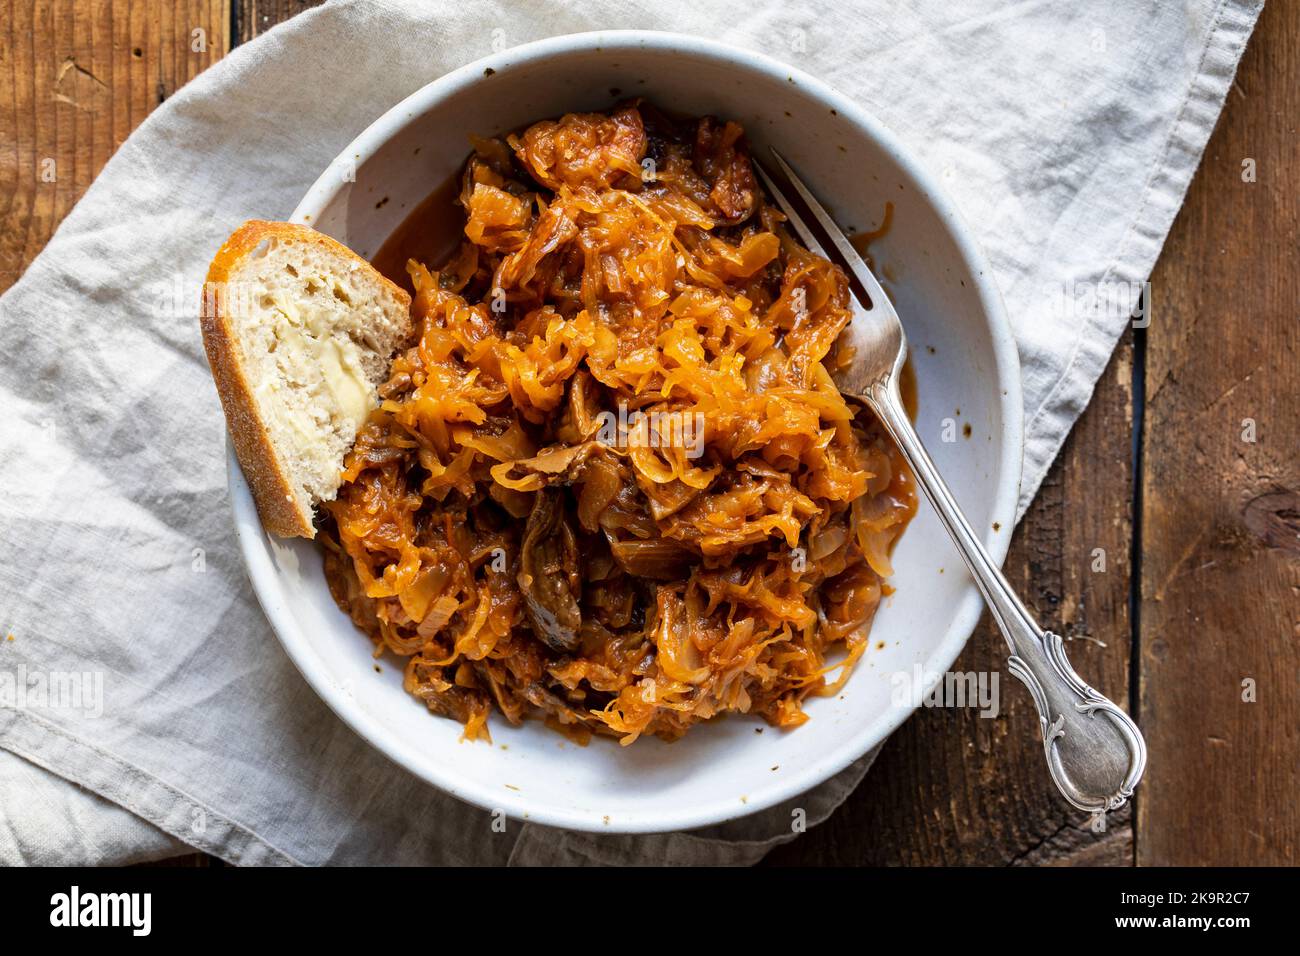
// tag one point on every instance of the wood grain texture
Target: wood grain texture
(1221, 514)
(953, 788)
(77, 79)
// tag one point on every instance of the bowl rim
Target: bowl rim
(657, 818)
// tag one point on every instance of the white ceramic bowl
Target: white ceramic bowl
(964, 355)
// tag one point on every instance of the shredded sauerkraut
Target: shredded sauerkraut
(612, 483)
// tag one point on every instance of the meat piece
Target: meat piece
(555, 464)
(550, 574)
(657, 558)
(723, 160)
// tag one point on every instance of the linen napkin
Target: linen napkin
(1066, 132)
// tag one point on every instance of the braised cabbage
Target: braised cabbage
(612, 484)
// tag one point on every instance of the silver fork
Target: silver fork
(1095, 753)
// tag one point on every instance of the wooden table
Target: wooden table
(1199, 603)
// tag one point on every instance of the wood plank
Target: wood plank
(1221, 514)
(75, 79)
(952, 788)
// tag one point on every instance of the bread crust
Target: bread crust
(283, 510)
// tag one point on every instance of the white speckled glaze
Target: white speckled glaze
(964, 356)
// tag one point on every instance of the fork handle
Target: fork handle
(1095, 753)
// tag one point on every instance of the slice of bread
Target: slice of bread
(299, 332)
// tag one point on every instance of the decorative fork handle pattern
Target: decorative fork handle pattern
(1095, 753)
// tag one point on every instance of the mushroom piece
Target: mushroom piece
(550, 575)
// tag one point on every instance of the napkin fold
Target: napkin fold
(1067, 134)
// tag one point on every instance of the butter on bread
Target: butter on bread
(299, 332)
